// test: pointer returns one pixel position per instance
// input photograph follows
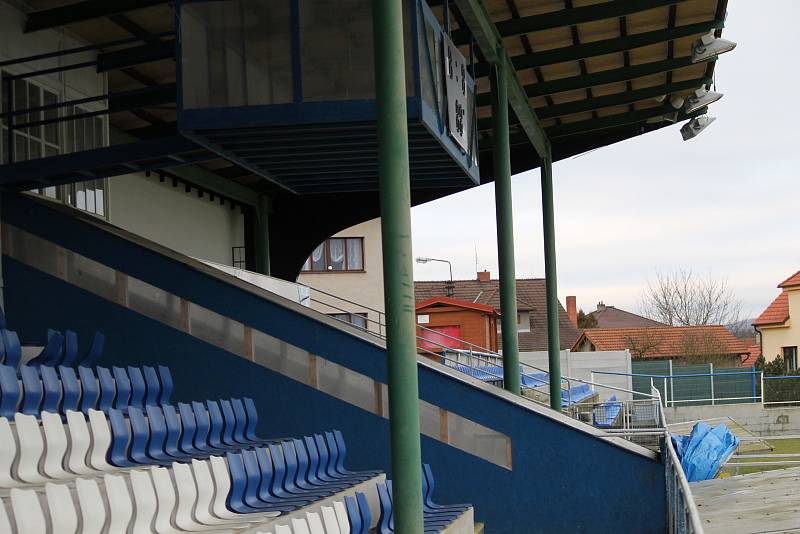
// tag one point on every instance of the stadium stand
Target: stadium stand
(98, 450)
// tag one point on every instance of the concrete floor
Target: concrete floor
(766, 502)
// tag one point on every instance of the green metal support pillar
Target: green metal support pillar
(553, 335)
(262, 235)
(398, 279)
(505, 226)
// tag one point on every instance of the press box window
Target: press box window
(337, 254)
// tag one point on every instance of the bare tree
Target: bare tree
(682, 298)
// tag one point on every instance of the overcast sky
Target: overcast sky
(725, 203)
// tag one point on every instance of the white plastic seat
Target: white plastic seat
(5, 522)
(165, 499)
(56, 444)
(341, 516)
(63, 518)
(120, 505)
(8, 454)
(28, 514)
(315, 524)
(79, 443)
(101, 442)
(300, 526)
(191, 512)
(31, 449)
(93, 510)
(283, 529)
(329, 520)
(145, 502)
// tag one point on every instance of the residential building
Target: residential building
(779, 335)
(345, 274)
(700, 343)
(612, 317)
(531, 306)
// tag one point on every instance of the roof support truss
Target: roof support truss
(80, 11)
(568, 17)
(491, 44)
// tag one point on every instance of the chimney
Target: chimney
(601, 306)
(572, 310)
(484, 276)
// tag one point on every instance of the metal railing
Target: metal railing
(682, 514)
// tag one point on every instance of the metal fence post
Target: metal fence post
(763, 403)
(711, 368)
(671, 384)
(666, 400)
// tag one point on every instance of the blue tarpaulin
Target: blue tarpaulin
(705, 450)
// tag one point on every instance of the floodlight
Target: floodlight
(695, 126)
(677, 102)
(709, 47)
(423, 260)
(700, 99)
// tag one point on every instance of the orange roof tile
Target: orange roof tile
(665, 341)
(755, 351)
(457, 303)
(792, 281)
(776, 313)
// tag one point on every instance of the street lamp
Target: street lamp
(451, 285)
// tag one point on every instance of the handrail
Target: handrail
(692, 521)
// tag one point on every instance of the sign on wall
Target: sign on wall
(459, 113)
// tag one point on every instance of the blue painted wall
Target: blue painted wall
(562, 481)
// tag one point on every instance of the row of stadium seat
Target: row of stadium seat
(31, 390)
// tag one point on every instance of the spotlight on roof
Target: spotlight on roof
(709, 47)
(700, 99)
(693, 128)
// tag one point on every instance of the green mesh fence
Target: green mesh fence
(726, 386)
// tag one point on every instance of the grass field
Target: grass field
(780, 446)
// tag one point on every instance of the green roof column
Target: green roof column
(553, 336)
(505, 225)
(262, 235)
(398, 279)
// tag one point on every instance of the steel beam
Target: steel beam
(568, 17)
(600, 48)
(620, 119)
(128, 57)
(490, 43)
(505, 228)
(551, 284)
(81, 11)
(584, 81)
(262, 236)
(398, 276)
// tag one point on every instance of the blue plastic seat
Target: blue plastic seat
(120, 439)
(140, 431)
(108, 390)
(366, 513)
(203, 427)
(95, 350)
(123, 387)
(174, 429)
(239, 488)
(428, 486)
(384, 520)
(90, 390)
(335, 441)
(32, 392)
(188, 430)
(10, 391)
(307, 470)
(138, 387)
(12, 349)
(165, 377)
(230, 422)
(52, 351)
(262, 470)
(71, 388)
(70, 354)
(52, 389)
(285, 472)
(240, 423)
(252, 420)
(152, 386)
(158, 434)
(354, 515)
(217, 425)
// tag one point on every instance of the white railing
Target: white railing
(682, 514)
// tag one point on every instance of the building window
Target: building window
(52, 139)
(238, 258)
(337, 254)
(356, 319)
(523, 322)
(790, 358)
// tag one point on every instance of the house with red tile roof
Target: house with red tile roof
(691, 343)
(778, 326)
(531, 306)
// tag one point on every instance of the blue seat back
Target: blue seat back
(52, 389)
(90, 390)
(173, 422)
(32, 392)
(120, 439)
(158, 433)
(123, 385)
(217, 425)
(240, 420)
(152, 386)
(71, 387)
(140, 432)
(203, 426)
(363, 508)
(10, 391)
(252, 419)
(384, 520)
(137, 387)
(230, 422)
(95, 350)
(189, 428)
(353, 515)
(12, 349)
(166, 384)
(70, 354)
(108, 389)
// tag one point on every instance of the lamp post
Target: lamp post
(449, 287)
